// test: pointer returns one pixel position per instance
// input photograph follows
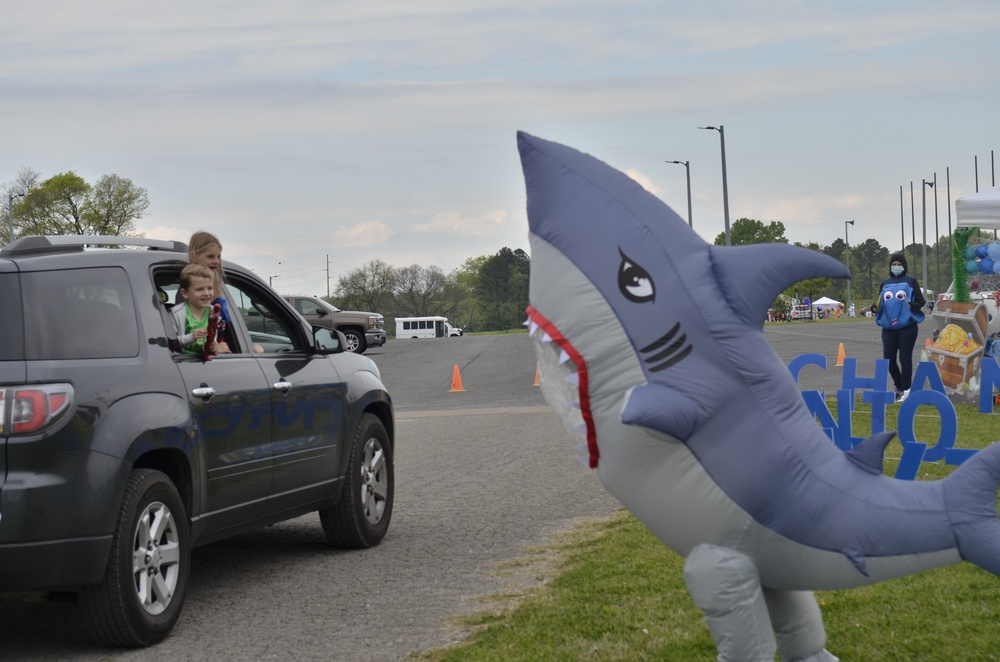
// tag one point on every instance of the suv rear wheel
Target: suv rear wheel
(361, 517)
(143, 590)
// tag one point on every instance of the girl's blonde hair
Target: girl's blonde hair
(201, 241)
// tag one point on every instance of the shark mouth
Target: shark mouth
(559, 372)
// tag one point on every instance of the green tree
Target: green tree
(56, 206)
(750, 231)
(114, 205)
(27, 179)
(502, 289)
(837, 251)
(367, 288)
(871, 262)
(465, 280)
(420, 291)
(67, 204)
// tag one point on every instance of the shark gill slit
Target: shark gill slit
(665, 355)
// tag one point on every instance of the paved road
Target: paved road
(480, 475)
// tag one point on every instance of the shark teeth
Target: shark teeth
(562, 375)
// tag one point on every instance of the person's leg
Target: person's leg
(890, 346)
(726, 588)
(907, 339)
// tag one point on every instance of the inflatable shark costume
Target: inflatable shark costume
(651, 347)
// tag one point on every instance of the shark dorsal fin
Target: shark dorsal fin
(869, 453)
(752, 276)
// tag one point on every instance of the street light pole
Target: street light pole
(923, 196)
(725, 184)
(687, 167)
(10, 214)
(270, 280)
(847, 261)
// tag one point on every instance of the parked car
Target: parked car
(119, 454)
(362, 329)
(802, 312)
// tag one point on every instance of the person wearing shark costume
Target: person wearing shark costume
(651, 348)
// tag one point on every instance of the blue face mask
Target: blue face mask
(897, 270)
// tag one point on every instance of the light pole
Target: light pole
(687, 167)
(725, 184)
(10, 214)
(270, 280)
(923, 196)
(847, 261)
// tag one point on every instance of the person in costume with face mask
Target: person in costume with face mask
(899, 311)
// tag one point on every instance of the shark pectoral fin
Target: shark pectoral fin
(857, 559)
(660, 408)
(869, 453)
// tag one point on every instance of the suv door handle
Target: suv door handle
(284, 386)
(204, 391)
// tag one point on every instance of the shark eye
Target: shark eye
(901, 295)
(887, 296)
(634, 282)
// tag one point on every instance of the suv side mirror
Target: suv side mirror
(320, 312)
(328, 341)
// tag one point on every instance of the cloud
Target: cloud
(453, 223)
(642, 180)
(366, 233)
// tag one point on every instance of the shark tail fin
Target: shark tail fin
(970, 496)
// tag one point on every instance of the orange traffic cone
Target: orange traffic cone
(536, 375)
(840, 356)
(456, 381)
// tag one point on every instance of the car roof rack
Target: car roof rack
(75, 243)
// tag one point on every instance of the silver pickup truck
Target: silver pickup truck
(362, 329)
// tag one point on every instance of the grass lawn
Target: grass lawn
(609, 591)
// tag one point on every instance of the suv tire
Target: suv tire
(355, 340)
(141, 597)
(361, 517)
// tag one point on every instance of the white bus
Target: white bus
(425, 327)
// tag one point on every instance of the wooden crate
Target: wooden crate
(956, 369)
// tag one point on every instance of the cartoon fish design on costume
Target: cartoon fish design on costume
(650, 345)
(894, 310)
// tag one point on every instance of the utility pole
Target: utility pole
(10, 214)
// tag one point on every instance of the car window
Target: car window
(79, 314)
(272, 328)
(307, 307)
(167, 284)
(11, 330)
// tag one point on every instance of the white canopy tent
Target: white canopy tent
(823, 303)
(980, 209)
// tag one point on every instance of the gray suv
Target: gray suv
(119, 454)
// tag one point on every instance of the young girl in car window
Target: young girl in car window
(206, 249)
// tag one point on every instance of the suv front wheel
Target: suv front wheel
(355, 340)
(361, 517)
(144, 585)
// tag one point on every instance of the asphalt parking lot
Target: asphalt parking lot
(480, 474)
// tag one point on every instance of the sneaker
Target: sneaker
(899, 397)
(902, 396)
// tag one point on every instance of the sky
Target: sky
(313, 136)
